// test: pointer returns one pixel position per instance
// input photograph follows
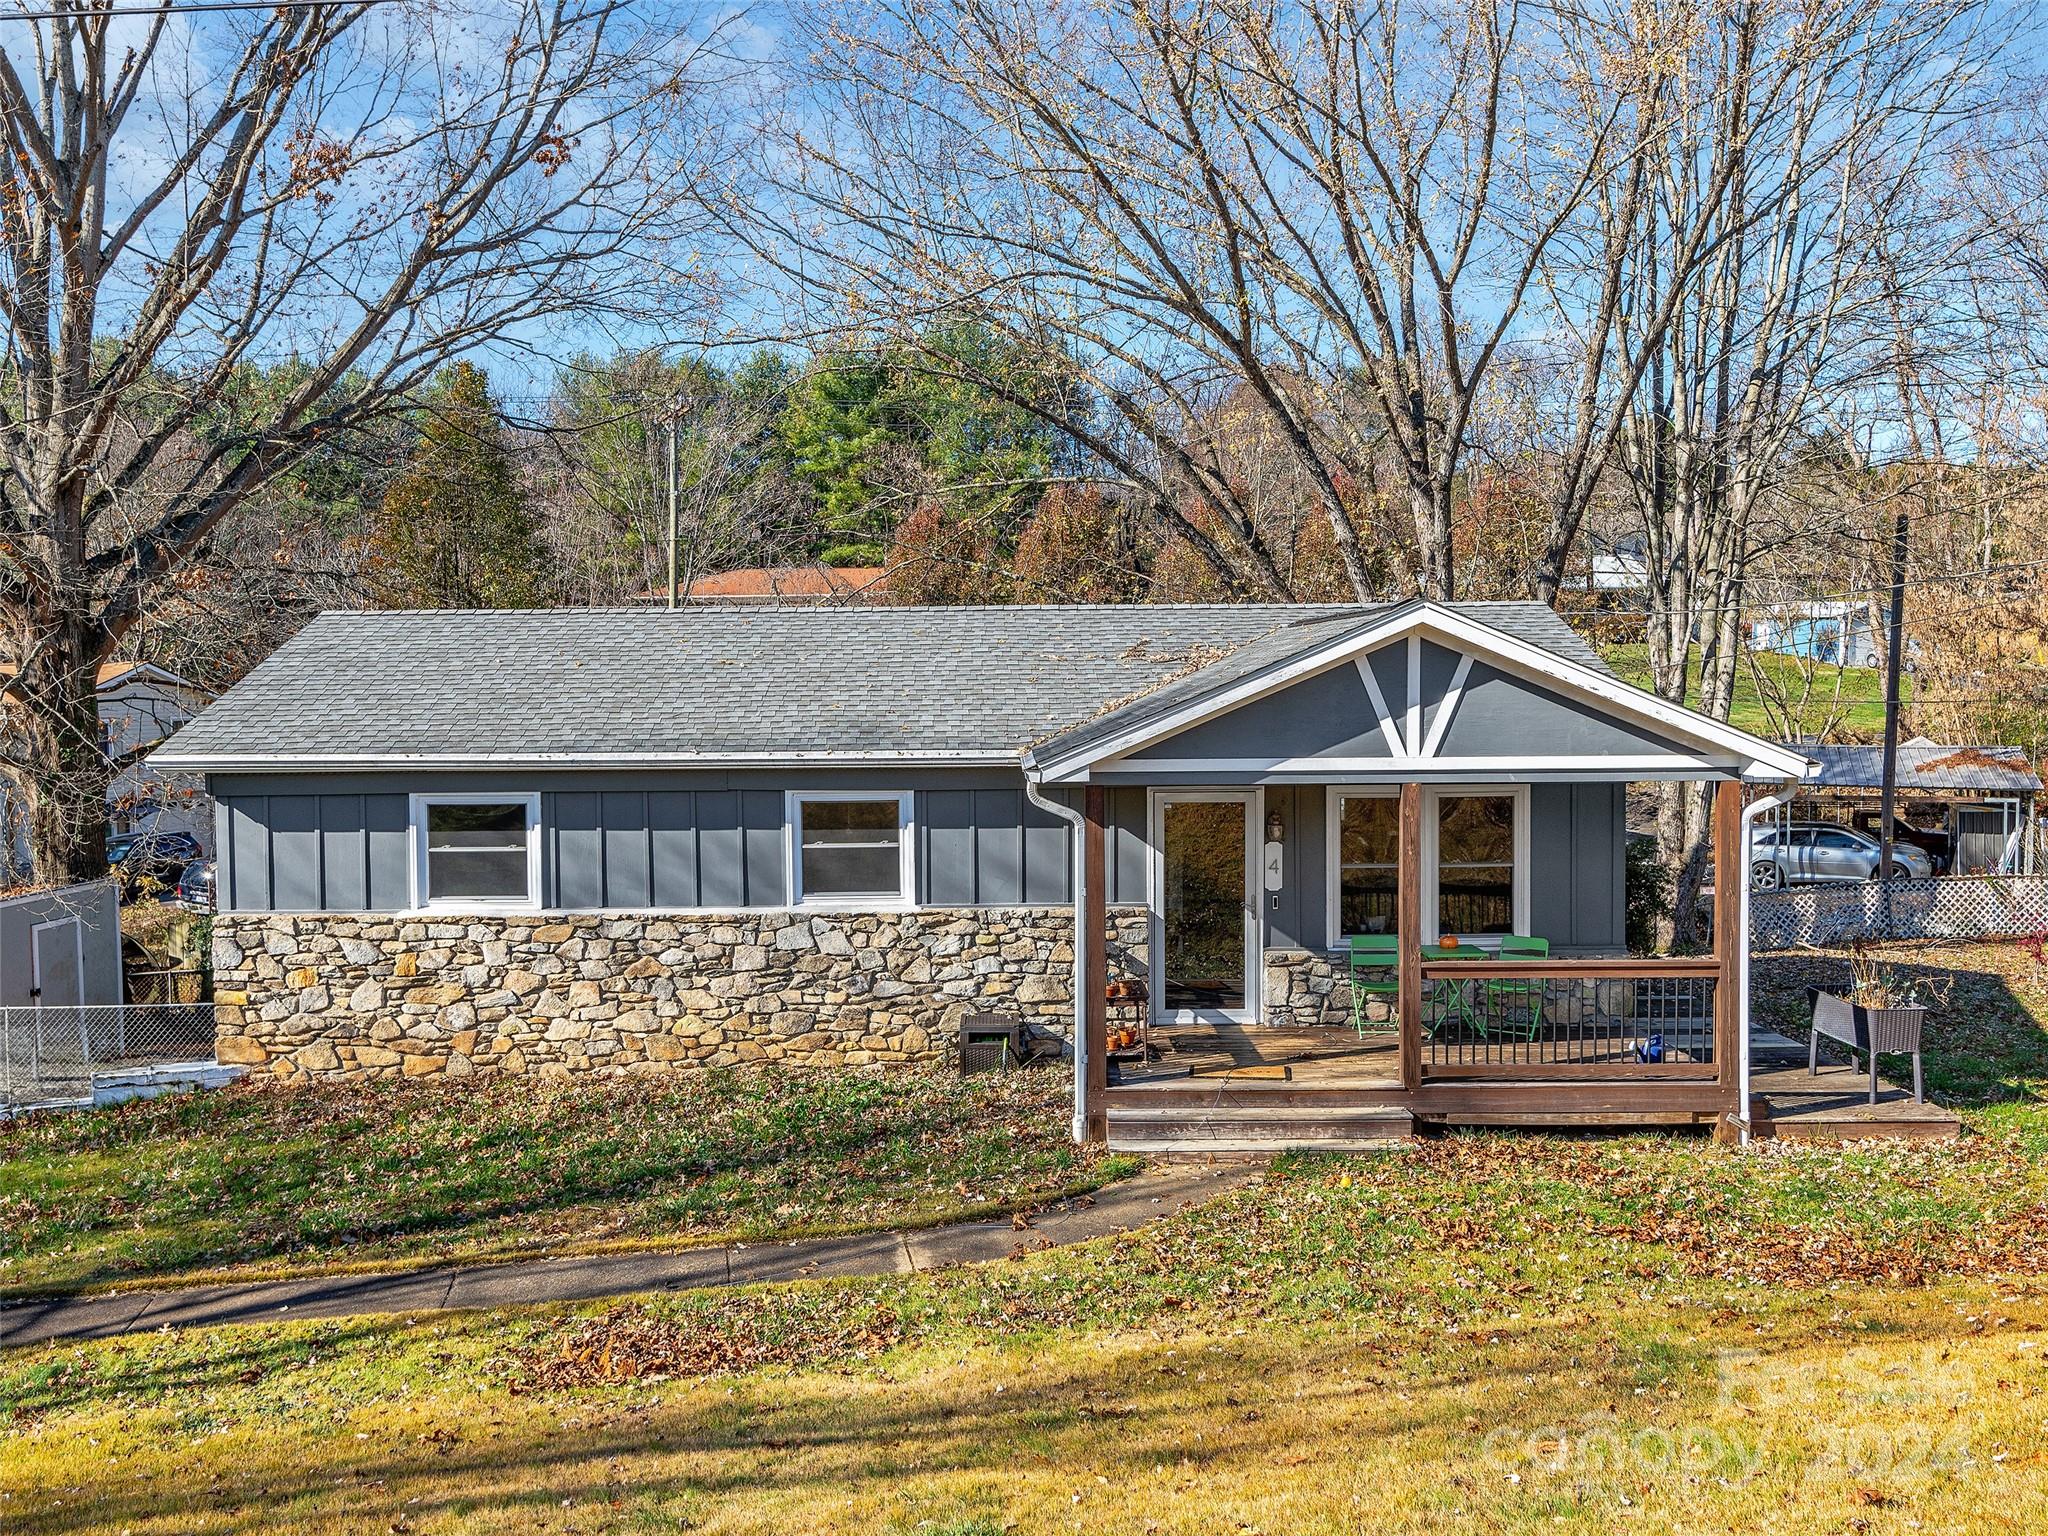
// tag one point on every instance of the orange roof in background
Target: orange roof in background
(783, 583)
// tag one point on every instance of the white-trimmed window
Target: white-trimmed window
(1365, 856)
(479, 851)
(851, 848)
(1475, 860)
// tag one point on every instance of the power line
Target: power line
(94, 13)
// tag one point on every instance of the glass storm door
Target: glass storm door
(1204, 906)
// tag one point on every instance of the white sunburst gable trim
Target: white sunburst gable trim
(1750, 756)
(1434, 741)
(1397, 743)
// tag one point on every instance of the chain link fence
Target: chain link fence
(51, 1054)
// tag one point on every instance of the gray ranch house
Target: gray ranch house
(1361, 865)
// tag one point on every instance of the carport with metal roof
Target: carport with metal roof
(1980, 799)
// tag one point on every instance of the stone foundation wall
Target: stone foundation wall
(341, 995)
(1307, 988)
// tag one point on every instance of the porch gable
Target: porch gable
(1416, 704)
(1427, 694)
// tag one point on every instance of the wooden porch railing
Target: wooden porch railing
(1507, 1022)
(1588, 1020)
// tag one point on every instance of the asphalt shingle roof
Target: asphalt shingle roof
(1925, 765)
(770, 682)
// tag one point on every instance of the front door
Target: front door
(1205, 943)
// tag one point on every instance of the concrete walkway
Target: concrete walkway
(1157, 1192)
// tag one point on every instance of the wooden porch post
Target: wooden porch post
(1093, 1013)
(1729, 947)
(1408, 934)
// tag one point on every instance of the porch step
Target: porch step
(1258, 1128)
(1849, 1117)
(1254, 1094)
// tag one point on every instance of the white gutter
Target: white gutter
(1750, 813)
(170, 760)
(1079, 823)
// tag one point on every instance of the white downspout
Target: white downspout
(1079, 823)
(1750, 813)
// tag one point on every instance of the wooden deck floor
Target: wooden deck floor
(1835, 1106)
(1242, 1054)
(1253, 1065)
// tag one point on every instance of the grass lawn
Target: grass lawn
(251, 1180)
(1492, 1334)
(1861, 692)
(1487, 1333)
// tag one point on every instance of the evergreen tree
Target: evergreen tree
(833, 430)
(456, 529)
(877, 435)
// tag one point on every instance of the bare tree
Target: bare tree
(363, 190)
(1332, 215)
(1736, 289)
(1750, 123)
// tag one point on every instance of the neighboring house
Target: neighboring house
(139, 705)
(559, 841)
(1834, 633)
(1619, 566)
(1972, 807)
(787, 585)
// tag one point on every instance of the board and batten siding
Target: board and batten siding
(634, 849)
(1578, 883)
(637, 849)
(313, 853)
(978, 845)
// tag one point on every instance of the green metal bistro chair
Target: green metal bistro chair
(1516, 1006)
(1375, 972)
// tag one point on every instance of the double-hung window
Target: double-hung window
(1474, 861)
(1368, 839)
(477, 851)
(1478, 837)
(851, 848)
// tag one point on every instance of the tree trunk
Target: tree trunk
(1429, 502)
(1721, 624)
(58, 759)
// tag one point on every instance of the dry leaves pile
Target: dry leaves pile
(742, 1333)
(1448, 1232)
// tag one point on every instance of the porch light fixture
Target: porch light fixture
(1276, 829)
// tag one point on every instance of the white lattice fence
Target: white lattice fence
(1948, 907)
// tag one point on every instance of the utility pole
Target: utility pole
(1895, 645)
(675, 496)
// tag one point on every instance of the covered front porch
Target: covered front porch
(1492, 1016)
(1379, 879)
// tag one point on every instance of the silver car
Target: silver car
(1808, 852)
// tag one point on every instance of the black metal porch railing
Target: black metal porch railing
(1509, 1018)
